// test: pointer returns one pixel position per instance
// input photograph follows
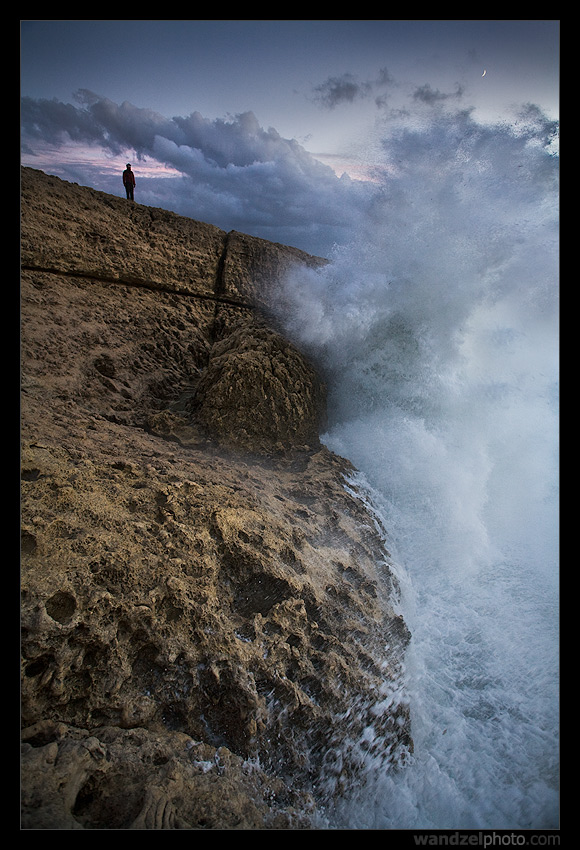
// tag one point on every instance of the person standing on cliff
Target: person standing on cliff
(129, 181)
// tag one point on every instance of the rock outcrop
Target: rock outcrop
(208, 632)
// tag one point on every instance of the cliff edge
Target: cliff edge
(208, 632)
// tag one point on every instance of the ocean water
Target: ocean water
(436, 328)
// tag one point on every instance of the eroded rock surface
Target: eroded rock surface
(209, 638)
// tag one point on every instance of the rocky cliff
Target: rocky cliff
(208, 633)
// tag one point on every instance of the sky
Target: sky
(272, 127)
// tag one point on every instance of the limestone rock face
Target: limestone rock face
(258, 392)
(209, 634)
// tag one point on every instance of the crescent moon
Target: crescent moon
(484, 73)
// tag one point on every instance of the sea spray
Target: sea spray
(436, 329)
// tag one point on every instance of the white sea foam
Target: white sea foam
(436, 328)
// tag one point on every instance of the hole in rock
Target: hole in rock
(61, 606)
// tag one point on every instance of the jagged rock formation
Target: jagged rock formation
(209, 638)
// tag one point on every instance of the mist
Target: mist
(436, 328)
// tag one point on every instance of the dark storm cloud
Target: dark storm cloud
(96, 121)
(425, 94)
(50, 120)
(234, 173)
(191, 144)
(346, 89)
(335, 91)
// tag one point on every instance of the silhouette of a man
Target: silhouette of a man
(129, 181)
